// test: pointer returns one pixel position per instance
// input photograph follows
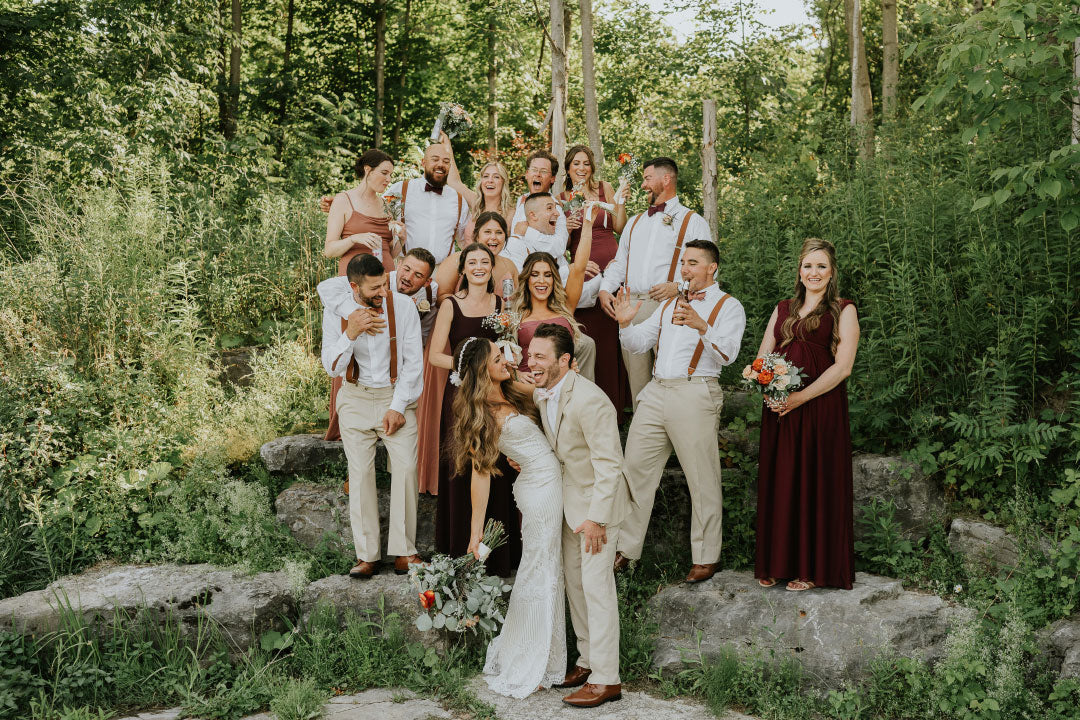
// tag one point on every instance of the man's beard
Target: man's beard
(432, 180)
(375, 301)
(652, 197)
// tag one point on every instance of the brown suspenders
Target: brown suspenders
(700, 349)
(674, 256)
(629, 237)
(353, 371)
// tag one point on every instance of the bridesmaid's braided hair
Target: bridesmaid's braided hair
(791, 326)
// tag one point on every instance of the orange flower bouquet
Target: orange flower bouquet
(628, 167)
(774, 377)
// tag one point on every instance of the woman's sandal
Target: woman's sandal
(766, 583)
(800, 585)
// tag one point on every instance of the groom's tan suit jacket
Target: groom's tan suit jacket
(586, 440)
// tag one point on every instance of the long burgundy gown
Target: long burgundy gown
(804, 509)
(454, 508)
(610, 370)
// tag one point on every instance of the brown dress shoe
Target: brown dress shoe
(575, 677)
(701, 572)
(402, 563)
(364, 570)
(621, 563)
(592, 695)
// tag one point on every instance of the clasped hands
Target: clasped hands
(364, 320)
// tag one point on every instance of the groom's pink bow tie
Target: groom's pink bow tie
(543, 394)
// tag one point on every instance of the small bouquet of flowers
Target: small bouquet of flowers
(628, 167)
(577, 200)
(774, 377)
(505, 323)
(452, 120)
(456, 594)
(392, 207)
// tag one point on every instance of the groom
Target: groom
(580, 424)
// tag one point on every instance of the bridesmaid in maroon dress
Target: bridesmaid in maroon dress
(804, 510)
(610, 371)
(461, 316)
(356, 224)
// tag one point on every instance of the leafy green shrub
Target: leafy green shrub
(883, 549)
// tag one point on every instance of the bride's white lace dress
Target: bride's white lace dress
(531, 649)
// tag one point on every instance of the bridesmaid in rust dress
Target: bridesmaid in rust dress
(804, 510)
(461, 316)
(610, 371)
(356, 224)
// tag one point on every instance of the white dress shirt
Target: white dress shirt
(678, 342)
(519, 248)
(372, 352)
(432, 221)
(651, 245)
(337, 295)
(519, 217)
(553, 401)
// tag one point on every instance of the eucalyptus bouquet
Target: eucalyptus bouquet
(456, 594)
(453, 119)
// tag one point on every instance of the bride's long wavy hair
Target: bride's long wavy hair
(830, 303)
(522, 299)
(475, 436)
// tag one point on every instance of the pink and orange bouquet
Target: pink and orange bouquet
(774, 377)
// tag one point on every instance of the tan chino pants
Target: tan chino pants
(639, 366)
(594, 604)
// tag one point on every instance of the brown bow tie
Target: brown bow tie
(437, 189)
(653, 209)
(696, 295)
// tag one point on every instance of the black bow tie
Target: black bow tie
(653, 209)
(437, 189)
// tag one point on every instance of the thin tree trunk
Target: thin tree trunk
(708, 165)
(862, 104)
(223, 76)
(401, 78)
(286, 81)
(558, 87)
(588, 78)
(1076, 84)
(234, 67)
(493, 77)
(380, 67)
(890, 63)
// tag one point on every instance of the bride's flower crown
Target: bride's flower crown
(455, 377)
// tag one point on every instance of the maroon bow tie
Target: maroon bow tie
(437, 189)
(653, 209)
(696, 295)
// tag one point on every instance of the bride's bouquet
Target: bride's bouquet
(628, 167)
(394, 210)
(456, 594)
(453, 119)
(505, 323)
(774, 377)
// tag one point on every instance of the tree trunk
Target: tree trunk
(890, 64)
(223, 76)
(708, 165)
(286, 81)
(558, 87)
(588, 78)
(493, 77)
(1076, 84)
(380, 67)
(401, 78)
(862, 103)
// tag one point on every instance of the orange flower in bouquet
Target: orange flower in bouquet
(774, 377)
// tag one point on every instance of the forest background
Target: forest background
(160, 164)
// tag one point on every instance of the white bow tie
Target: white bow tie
(545, 394)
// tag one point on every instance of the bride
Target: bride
(494, 414)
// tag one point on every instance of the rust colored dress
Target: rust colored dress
(610, 370)
(355, 224)
(804, 509)
(428, 417)
(454, 514)
(527, 329)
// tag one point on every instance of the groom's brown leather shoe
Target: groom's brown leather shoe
(575, 677)
(621, 563)
(402, 563)
(698, 573)
(363, 570)
(592, 695)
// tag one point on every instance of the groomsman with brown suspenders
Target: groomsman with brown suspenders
(433, 212)
(379, 351)
(694, 335)
(648, 257)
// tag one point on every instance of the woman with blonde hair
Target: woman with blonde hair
(804, 509)
(492, 191)
(494, 415)
(541, 298)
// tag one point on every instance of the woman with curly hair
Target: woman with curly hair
(493, 415)
(804, 513)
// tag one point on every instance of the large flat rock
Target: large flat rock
(548, 704)
(298, 454)
(919, 500)
(312, 511)
(1060, 643)
(983, 542)
(833, 633)
(241, 606)
(380, 703)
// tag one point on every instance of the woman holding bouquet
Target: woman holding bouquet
(581, 179)
(461, 316)
(804, 510)
(357, 224)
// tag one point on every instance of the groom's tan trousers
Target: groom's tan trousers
(360, 416)
(594, 604)
(684, 415)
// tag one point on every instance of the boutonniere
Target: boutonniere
(422, 305)
(667, 218)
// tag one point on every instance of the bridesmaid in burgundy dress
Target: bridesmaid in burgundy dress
(461, 316)
(804, 510)
(610, 372)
